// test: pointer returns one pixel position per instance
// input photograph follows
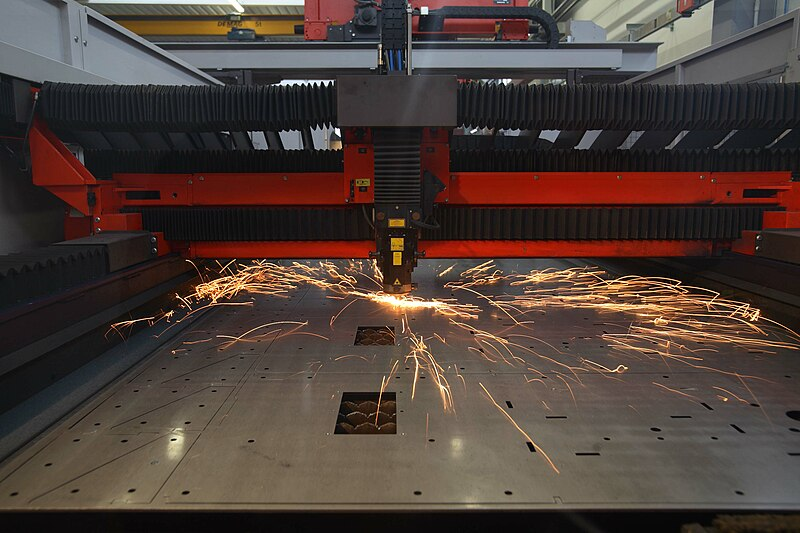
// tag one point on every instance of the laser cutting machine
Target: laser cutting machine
(405, 186)
(432, 165)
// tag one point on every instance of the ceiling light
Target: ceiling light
(237, 6)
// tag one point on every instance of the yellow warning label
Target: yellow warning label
(397, 244)
(397, 258)
(362, 182)
(397, 223)
(396, 281)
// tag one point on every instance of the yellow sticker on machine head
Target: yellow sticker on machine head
(397, 244)
(397, 223)
(397, 258)
(362, 182)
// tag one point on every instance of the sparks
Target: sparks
(508, 416)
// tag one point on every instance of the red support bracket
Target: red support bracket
(55, 168)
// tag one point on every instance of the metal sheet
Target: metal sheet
(254, 423)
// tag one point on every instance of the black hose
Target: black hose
(364, 210)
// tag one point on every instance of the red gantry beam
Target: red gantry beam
(103, 203)
(465, 188)
(453, 249)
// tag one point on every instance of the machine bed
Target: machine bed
(251, 427)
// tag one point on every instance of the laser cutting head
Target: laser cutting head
(396, 245)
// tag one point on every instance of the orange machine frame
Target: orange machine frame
(98, 205)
